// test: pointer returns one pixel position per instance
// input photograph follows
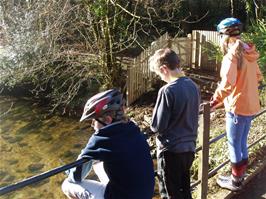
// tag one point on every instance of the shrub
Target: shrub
(257, 35)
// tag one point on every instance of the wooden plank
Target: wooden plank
(197, 48)
(214, 38)
(131, 86)
(190, 39)
(182, 47)
(204, 153)
(128, 89)
(203, 54)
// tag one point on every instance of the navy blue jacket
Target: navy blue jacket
(126, 158)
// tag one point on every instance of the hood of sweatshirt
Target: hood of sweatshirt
(249, 53)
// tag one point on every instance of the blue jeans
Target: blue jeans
(237, 129)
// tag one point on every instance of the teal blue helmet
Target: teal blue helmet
(230, 26)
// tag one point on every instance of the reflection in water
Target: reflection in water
(31, 142)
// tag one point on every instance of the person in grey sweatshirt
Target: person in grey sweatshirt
(175, 120)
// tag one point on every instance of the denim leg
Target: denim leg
(234, 131)
(244, 146)
(237, 129)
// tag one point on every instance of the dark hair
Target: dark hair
(165, 56)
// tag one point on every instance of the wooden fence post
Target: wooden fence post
(204, 134)
(169, 42)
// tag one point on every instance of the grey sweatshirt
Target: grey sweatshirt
(175, 116)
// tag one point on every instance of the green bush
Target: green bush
(257, 35)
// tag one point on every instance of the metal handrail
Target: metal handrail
(214, 171)
(42, 176)
(223, 135)
(212, 141)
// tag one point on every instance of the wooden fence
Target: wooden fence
(201, 41)
(191, 52)
(139, 76)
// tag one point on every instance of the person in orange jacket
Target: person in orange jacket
(238, 90)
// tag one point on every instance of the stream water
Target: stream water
(33, 141)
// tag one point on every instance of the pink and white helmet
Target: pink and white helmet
(101, 103)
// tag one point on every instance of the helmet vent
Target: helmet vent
(101, 105)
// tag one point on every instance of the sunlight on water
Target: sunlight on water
(32, 142)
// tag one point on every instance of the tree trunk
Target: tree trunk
(232, 8)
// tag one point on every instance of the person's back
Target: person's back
(244, 99)
(127, 171)
(126, 159)
(179, 133)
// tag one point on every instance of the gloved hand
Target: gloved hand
(213, 103)
(261, 85)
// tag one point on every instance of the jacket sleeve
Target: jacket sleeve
(92, 152)
(79, 173)
(161, 112)
(259, 74)
(228, 78)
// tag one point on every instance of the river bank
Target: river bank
(33, 141)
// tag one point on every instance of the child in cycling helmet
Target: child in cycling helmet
(238, 90)
(120, 147)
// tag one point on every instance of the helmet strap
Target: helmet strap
(101, 122)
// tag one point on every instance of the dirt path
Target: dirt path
(255, 189)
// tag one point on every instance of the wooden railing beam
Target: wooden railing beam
(204, 153)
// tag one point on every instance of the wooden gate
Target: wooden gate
(138, 74)
(201, 41)
(190, 51)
